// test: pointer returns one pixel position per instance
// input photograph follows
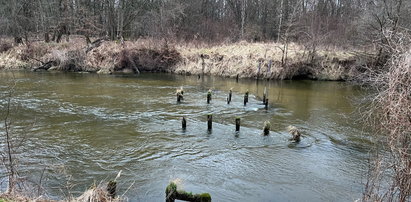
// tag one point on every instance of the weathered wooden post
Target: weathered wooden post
(173, 194)
(237, 124)
(179, 94)
(179, 97)
(267, 126)
(210, 121)
(229, 96)
(111, 188)
(295, 133)
(209, 96)
(184, 123)
(266, 104)
(236, 78)
(246, 98)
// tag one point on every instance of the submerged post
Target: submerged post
(210, 122)
(266, 104)
(229, 96)
(209, 96)
(236, 78)
(267, 126)
(179, 97)
(111, 188)
(237, 124)
(180, 93)
(184, 123)
(246, 98)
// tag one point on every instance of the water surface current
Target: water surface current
(82, 129)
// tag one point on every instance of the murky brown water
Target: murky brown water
(88, 127)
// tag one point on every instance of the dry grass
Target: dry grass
(95, 194)
(244, 58)
(228, 60)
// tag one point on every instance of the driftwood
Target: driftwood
(44, 65)
(173, 194)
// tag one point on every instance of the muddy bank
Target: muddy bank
(245, 60)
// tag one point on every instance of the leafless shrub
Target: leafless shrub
(391, 113)
(73, 60)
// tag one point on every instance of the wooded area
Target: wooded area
(335, 22)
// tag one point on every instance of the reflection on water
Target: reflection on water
(88, 127)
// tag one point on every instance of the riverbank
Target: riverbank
(242, 59)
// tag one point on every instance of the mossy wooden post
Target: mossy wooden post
(184, 123)
(180, 93)
(237, 124)
(179, 97)
(111, 189)
(266, 104)
(245, 98)
(210, 122)
(267, 126)
(173, 194)
(209, 96)
(229, 96)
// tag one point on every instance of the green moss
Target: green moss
(171, 187)
(205, 197)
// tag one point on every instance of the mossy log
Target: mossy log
(173, 194)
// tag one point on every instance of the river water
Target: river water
(82, 129)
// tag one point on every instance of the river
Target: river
(82, 129)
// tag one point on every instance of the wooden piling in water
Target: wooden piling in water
(111, 189)
(229, 96)
(184, 123)
(266, 104)
(236, 78)
(237, 124)
(210, 122)
(246, 98)
(179, 97)
(267, 126)
(208, 96)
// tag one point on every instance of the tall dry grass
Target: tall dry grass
(264, 60)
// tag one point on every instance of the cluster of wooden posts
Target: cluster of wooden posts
(180, 93)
